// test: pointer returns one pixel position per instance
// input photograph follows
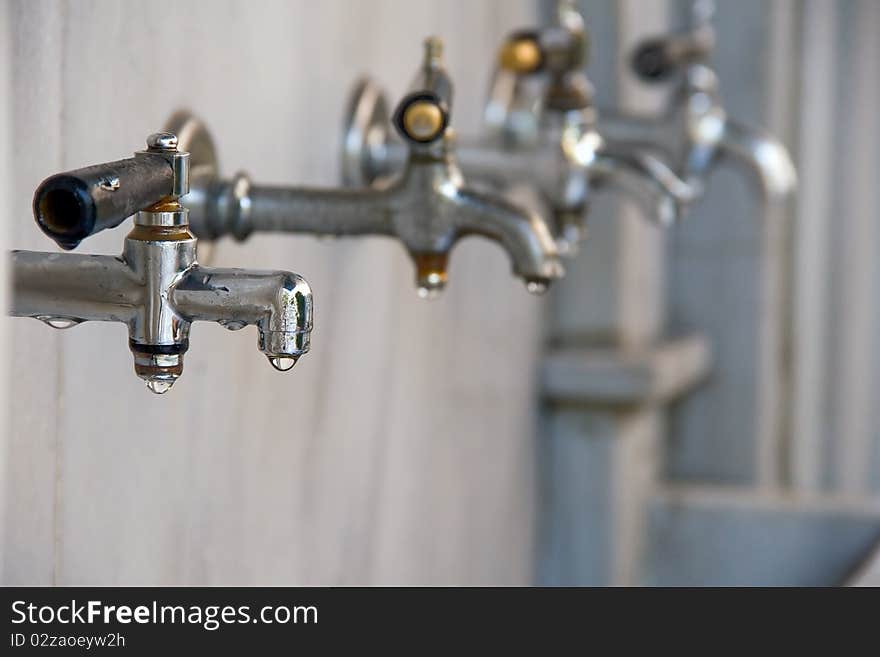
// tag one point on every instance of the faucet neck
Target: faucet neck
(167, 212)
(160, 241)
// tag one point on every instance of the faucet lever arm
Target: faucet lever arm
(658, 58)
(73, 205)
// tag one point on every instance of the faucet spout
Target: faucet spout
(695, 131)
(765, 157)
(710, 137)
(436, 208)
(522, 233)
(663, 196)
(278, 303)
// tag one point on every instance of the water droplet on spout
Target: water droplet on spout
(283, 363)
(159, 386)
(537, 287)
(566, 248)
(431, 284)
(430, 274)
(429, 292)
(59, 322)
(572, 234)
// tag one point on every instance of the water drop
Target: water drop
(429, 292)
(567, 248)
(283, 363)
(59, 322)
(159, 386)
(233, 324)
(536, 287)
(430, 276)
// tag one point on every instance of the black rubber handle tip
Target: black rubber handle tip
(651, 61)
(65, 210)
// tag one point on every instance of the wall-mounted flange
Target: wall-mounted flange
(366, 136)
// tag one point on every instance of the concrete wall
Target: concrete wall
(399, 451)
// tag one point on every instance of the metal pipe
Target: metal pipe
(636, 129)
(238, 208)
(63, 289)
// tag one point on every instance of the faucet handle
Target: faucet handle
(657, 58)
(521, 53)
(558, 48)
(422, 116)
(76, 204)
(556, 55)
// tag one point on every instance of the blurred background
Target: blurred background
(684, 408)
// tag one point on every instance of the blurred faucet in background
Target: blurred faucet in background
(428, 205)
(695, 131)
(541, 132)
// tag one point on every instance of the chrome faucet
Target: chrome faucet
(428, 206)
(157, 288)
(542, 131)
(695, 132)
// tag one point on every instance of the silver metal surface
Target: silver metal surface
(427, 206)
(164, 145)
(162, 141)
(158, 289)
(194, 138)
